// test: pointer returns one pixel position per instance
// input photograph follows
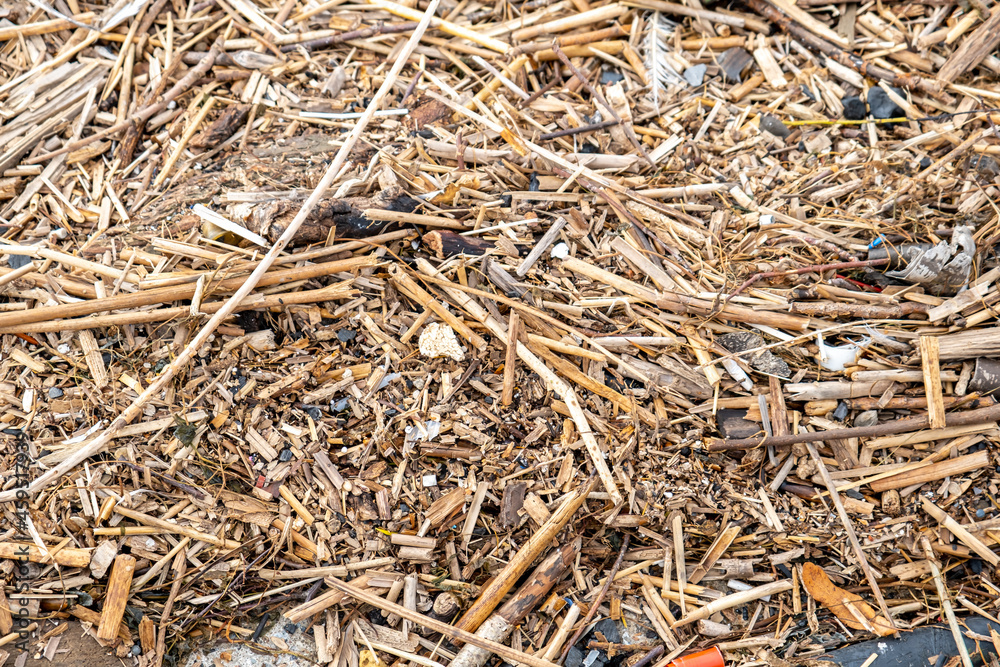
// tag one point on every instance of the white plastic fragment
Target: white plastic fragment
(426, 431)
(737, 373)
(438, 340)
(837, 358)
(429, 479)
(560, 251)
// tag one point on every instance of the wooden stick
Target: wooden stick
(556, 643)
(180, 565)
(442, 25)
(510, 361)
(452, 632)
(174, 528)
(576, 38)
(436, 221)
(959, 531)
(325, 601)
(252, 302)
(470, 520)
(735, 600)
(18, 273)
(683, 304)
(931, 365)
(498, 626)
(177, 293)
(956, 630)
(933, 472)
(249, 284)
(849, 529)
(116, 596)
(69, 260)
(43, 28)
(299, 508)
(575, 20)
(905, 425)
(537, 544)
(67, 557)
(677, 527)
(714, 553)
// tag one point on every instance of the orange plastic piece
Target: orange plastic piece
(709, 658)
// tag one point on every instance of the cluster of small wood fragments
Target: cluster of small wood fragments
(276, 355)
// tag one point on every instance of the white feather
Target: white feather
(661, 73)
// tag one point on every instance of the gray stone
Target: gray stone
(695, 75)
(609, 628)
(882, 107)
(574, 658)
(774, 125)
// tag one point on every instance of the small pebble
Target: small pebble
(695, 75)
(574, 658)
(854, 108)
(866, 418)
(17, 261)
(882, 107)
(609, 628)
(773, 125)
(55, 392)
(984, 165)
(285, 456)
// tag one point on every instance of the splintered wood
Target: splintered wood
(554, 332)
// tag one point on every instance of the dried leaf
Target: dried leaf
(850, 608)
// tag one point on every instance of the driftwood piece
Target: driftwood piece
(330, 218)
(491, 596)
(222, 127)
(119, 583)
(979, 416)
(974, 47)
(498, 626)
